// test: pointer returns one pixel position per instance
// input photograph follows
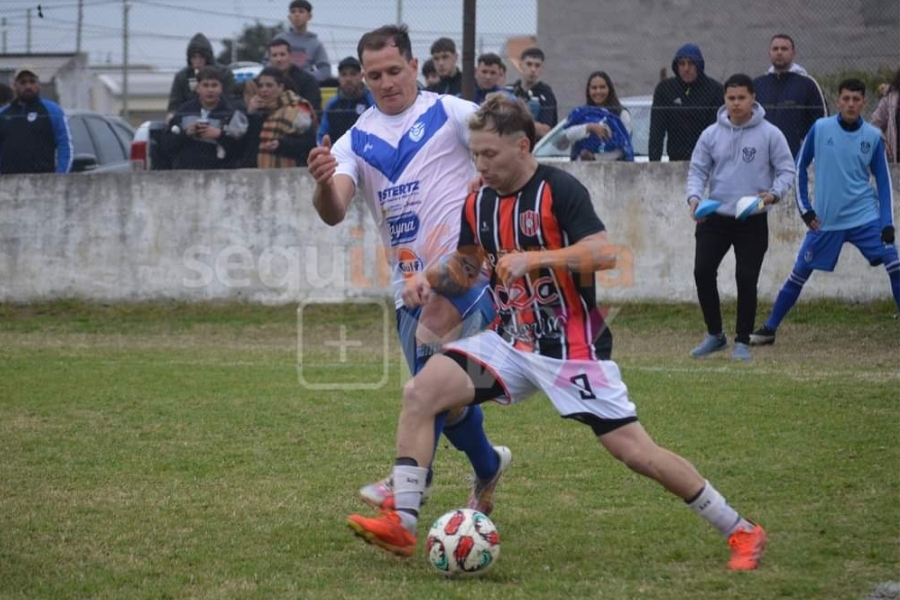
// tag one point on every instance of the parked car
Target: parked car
(145, 154)
(638, 106)
(100, 142)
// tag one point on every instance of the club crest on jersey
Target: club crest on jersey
(865, 147)
(528, 223)
(417, 131)
(748, 154)
(32, 117)
(408, 262)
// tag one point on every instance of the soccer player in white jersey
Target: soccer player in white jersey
(409, 157)
(538, 229)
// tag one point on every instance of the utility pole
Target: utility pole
(125, 8)
(468, 54)
(28, 31)
(78, 27)
(3, 26)
(399, 12)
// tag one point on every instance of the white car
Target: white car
(639, 107)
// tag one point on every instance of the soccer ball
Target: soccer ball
(462, 541)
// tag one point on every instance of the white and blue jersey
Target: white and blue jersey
(844, 160)
(413, 169)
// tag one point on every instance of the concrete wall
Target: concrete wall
(253, 235)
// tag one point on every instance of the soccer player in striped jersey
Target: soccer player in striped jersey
(844, 151)
(408, 156)
(537, 228)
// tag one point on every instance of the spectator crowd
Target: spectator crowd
(276, 118)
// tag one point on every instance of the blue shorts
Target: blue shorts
(820, 249)
(476, 309)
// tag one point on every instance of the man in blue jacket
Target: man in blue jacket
(352, 99)
(845, 152)
(34, 134)
(792, 99)
(683, 106)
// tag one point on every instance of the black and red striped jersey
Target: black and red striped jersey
(552, 311)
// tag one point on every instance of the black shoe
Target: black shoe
(762, 337)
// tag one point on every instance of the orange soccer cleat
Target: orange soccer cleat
(746, 548)
(386, 532)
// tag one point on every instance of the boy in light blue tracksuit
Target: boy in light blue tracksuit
(742, 154)
(845, 152)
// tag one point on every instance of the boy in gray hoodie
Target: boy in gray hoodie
(742, 154)
(307, 52)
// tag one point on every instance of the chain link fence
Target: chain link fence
(119, 58)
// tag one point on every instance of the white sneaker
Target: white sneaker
(482, 497)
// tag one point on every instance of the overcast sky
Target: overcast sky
(160, 29)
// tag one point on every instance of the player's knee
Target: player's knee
(417, 399)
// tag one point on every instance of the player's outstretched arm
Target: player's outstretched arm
(453, 276)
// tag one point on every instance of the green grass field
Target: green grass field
(170, 451)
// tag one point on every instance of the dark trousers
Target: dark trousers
(714, 237)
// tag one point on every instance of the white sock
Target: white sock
(711, 505)
(409, 485)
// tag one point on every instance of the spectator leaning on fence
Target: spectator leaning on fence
(199, 55)
(429, 73)
(489, 75)
(281, 125)
(792, 99)
(204, 132)
(295, 78)
(351, 100)
(445, 57)
(537, 94)
(34, 134)
(683, 106)
(601, 129)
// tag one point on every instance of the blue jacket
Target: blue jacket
(481, 94)
(793, 102)
(341, 113)
(620, 140)
(34, 138)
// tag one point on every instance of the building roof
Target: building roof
(47, 65)
(153, 83)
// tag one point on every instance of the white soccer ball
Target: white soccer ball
(462, 541)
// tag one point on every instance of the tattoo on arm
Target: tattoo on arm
(452, 277)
